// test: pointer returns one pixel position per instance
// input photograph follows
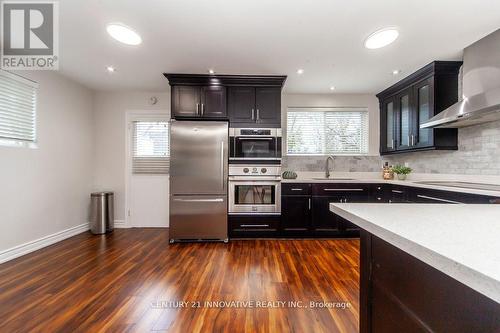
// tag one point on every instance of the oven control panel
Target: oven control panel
(254, 170)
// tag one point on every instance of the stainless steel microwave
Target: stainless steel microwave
(255, 145)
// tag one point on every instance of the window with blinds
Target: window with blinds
(17, 109)
(151, 151)
(325, 131)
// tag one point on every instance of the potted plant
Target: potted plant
(402, 171)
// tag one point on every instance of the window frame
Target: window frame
(331, 109)
(14, 142)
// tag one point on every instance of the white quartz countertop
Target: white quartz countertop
(376, 178)
(462, 241)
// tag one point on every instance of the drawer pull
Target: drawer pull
(254, 225)
(397, 191)
(297, 189)
(437, 199)
(343, 189)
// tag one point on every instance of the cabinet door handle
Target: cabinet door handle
(397, 191)
(392, 144)
(309, 203)
(343, 189)
(258, 115)
(202, 109)
(253, 114)
(409, 141)
(296, 189)
(197, 108)
(254, 225)
(200, 200)
(437, 199)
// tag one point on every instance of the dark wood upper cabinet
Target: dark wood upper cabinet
(199, 102)
(254, 106)
(268, 106)
(424, 110)
(403, 120)
(247, 100)
(388, 119)
(213, 102)
(185, 101)
(241, 104)
(411, 102)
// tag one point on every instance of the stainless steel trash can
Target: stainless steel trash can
(101, 212)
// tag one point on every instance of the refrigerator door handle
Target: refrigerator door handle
(222, 164)
(201, 200)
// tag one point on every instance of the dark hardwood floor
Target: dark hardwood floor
(123, 283)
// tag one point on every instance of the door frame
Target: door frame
(133, 115)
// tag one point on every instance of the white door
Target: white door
(148, 179)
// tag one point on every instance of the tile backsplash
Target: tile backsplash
(341, 163)
(478, 154)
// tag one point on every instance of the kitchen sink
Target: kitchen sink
(332, 178)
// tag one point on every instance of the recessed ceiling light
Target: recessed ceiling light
(211, 71)
(396, 72)
(110, 69)
(332, 88)
(381, 38)
(123, 34)
(300, 71)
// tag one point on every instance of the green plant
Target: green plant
(401, 169)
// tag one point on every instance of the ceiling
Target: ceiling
(323, 37)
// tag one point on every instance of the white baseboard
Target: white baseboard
(120, 224)
(37, 244)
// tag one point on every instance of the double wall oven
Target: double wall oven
(254, 171)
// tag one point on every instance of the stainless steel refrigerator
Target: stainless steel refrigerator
(198, 180)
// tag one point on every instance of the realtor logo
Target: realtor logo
(29, 35)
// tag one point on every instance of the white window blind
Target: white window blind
(151, 150)
(325, 131)
(17, 108)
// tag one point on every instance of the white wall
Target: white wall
(338, 100)
(46, 190)
(110, 134)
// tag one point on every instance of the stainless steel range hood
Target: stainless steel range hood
(477, 109)
(481, 85)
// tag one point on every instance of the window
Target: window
(17, 109)
(325, 131)
(151, 151)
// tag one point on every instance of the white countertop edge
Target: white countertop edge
(472, 278)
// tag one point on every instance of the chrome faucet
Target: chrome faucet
(327, 166)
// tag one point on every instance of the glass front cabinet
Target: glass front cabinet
(414, 100)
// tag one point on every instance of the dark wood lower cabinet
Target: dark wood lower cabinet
(399, 293)
(324, 222)
(305, 208)
(250, 226)
(296, 215)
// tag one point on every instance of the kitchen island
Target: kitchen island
(427, 267)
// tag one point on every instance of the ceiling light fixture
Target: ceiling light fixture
(123, 34)
(211, 71)
(381, 38)
(300, 71)
(332, 88)
(396, 72)
(110, 69)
